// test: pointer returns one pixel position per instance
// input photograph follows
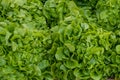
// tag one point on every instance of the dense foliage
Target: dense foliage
(59, 39)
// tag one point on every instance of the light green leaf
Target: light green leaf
(71, 64)
(8, 34)
(2, 61)
(118, 59)
(70, 46)
(43, 64)
(19, 2)
(59, 54)
(5, 3)
(80, 75)
(14, 46)
(118, 49)
(95, 76)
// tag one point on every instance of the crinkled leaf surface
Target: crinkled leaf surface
(59, 39)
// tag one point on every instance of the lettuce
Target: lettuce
(59, 39)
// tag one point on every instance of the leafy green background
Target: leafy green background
(59, 39)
